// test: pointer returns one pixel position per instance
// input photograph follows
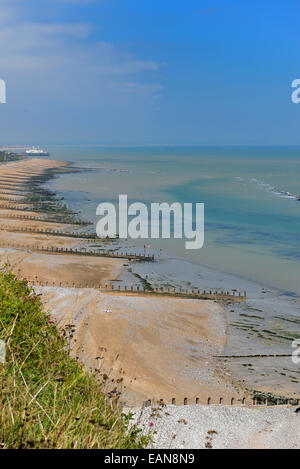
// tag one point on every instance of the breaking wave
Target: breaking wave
(269, 188)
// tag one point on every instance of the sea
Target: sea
(252, 234)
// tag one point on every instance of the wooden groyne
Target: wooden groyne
(220, 401)
(48, 220)
(71, 234)
(276, 355)
(145, 291)
(32, 207)
(15, 179)
(12, 193)
(13, 185)
(10, 179)
(22, 201)
(17, 206)
(178, 292)
(18, 201)
(79, 252)
(13, 188)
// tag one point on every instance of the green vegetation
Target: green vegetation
(145, 284)
(272, 400)
(47, 398)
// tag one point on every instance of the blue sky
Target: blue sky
(159, 71)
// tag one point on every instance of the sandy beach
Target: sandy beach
(150, 348)
(161, 348)
(42, 267)
(155, 348)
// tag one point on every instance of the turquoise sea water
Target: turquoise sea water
(252, 226)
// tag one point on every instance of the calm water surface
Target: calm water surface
(252, 217)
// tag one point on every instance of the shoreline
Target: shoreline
(115, 271)
(277, 326)
(108, 181)
(84, 305)
(179, 259)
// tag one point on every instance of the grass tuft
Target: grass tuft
(47, 398)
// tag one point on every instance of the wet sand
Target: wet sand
(156, 348)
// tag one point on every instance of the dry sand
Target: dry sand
(64, 269)
(159, 347)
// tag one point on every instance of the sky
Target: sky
(149, 72)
